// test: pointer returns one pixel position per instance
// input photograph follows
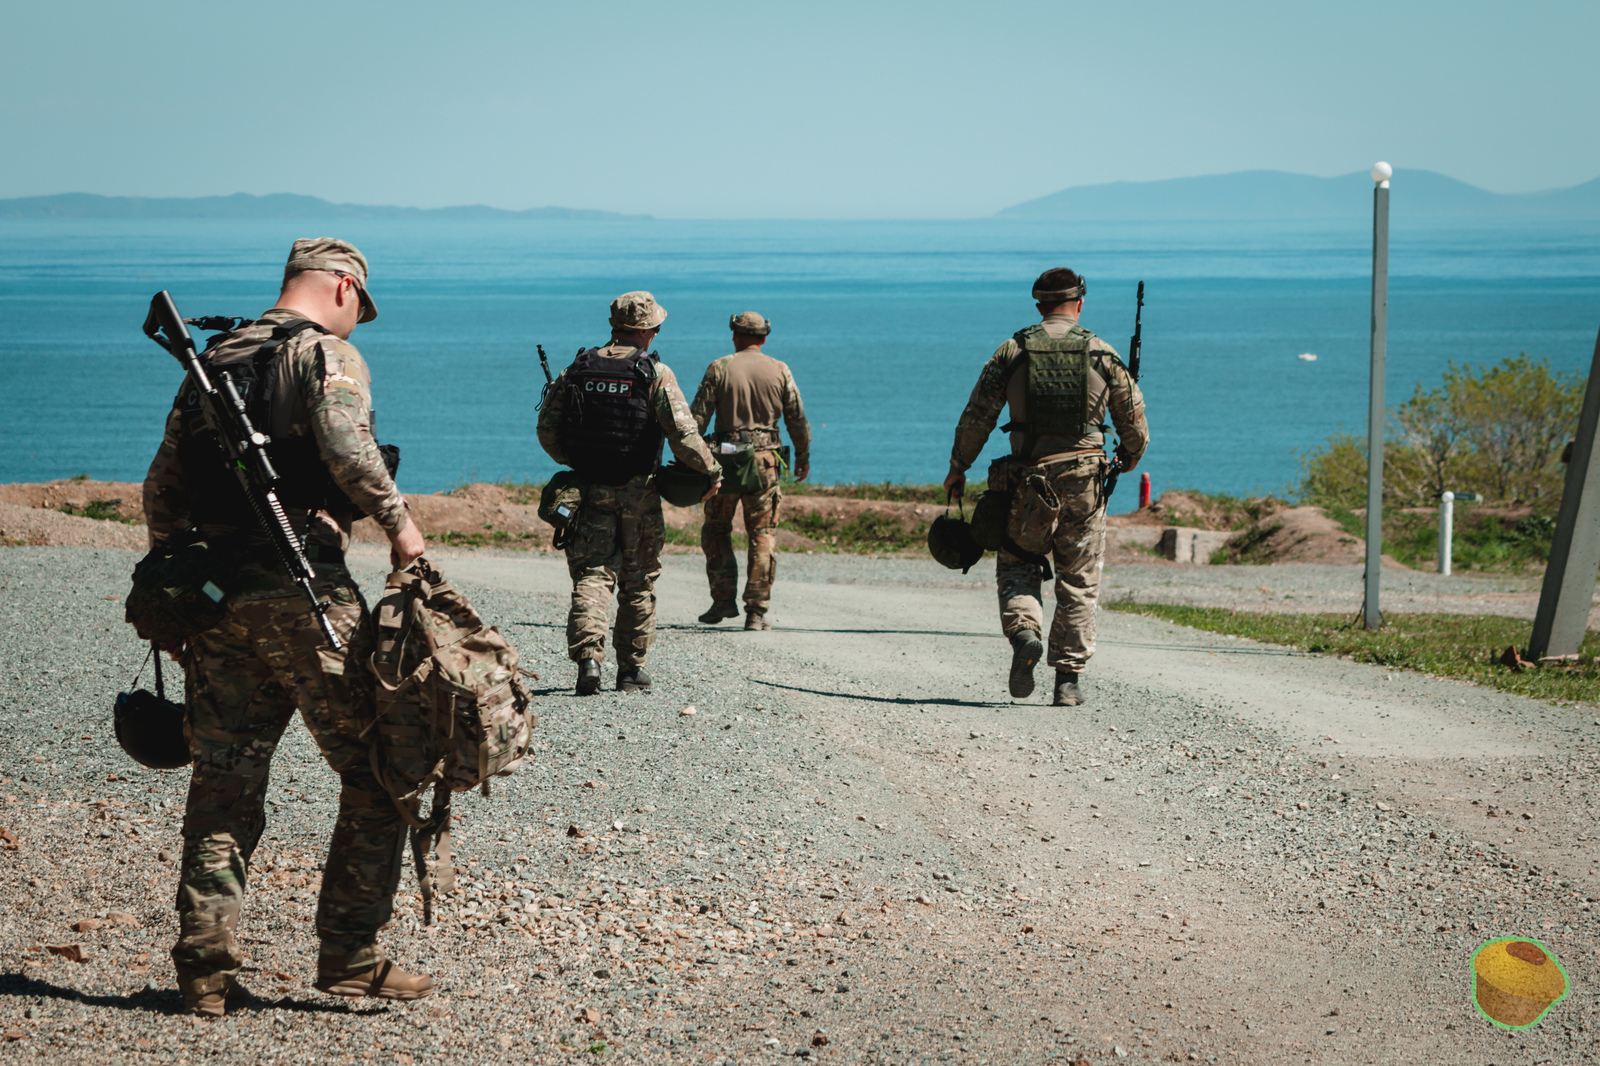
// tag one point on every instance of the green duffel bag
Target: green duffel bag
(741, 470)
(680, 485)
(181, 590)
(558, 503)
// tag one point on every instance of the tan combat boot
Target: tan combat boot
(1068, 694)
(207, 997)
(1026, 651)
(756, 622)
(383, 981)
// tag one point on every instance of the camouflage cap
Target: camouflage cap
(330, 253)
(749, 322)
(1059, 285)
(637, 310)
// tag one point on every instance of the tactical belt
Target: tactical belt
(760, 438)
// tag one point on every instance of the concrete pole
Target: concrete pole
(1563, 616)
(1376, 412)
(1447, 514)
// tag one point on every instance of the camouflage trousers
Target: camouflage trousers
(1077, 549)
(614, 546)
(760, 527)
(245, 679)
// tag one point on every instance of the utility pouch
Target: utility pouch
(558, 503)
(741, 469)
(181, 590)
(1035, 508)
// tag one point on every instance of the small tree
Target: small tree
(1518, 414)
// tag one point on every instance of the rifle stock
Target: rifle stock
(244, 449)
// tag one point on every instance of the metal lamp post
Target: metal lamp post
(1381, 172)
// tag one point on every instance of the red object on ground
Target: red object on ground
(1144, 491)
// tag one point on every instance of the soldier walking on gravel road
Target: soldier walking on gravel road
(606, 416)
(747, 392)
(246, 675)
(1059, 381)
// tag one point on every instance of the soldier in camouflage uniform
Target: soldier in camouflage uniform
(1073, 379)
(268, 656)
(747, 391)
(606, 416)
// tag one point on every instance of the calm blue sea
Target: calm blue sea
(885, 324)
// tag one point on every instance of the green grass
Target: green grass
(865, 533)
(104, 510)
(885, 490)
(1462, 646)
(489, 538)
(1228, 512)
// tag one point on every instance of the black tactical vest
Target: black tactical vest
(215, 497)
(609, 432)
(1057, 389)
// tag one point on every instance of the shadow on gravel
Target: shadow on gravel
(169, 1002)
(700, 627)
(935, 701)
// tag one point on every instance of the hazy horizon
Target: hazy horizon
(712, 109)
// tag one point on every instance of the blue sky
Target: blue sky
(798, 110)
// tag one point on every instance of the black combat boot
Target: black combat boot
(632, 679)
(1068, 694)
(1026, 651)
(720, 610)
(588, 677)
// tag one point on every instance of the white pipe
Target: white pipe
(1447, 512)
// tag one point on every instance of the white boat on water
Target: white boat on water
(1307, 357)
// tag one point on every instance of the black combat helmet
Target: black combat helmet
(950, 542)
(150, 727)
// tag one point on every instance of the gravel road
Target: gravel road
(856, 849)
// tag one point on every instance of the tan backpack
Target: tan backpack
(451, 710)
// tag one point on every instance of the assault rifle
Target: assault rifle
(1134, 344)
(548, 380)
(243, 446)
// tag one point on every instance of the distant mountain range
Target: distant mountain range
(244, 205)
(1275, 194)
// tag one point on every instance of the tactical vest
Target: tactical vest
(609, 431)
(1057, 388)
(304, 484)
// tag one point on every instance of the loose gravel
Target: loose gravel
(855, 849)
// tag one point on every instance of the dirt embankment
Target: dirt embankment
(110, 514)
(1180, 526)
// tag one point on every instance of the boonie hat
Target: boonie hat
(749, 322)
(637, 310)
(330, 253)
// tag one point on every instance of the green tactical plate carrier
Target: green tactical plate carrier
(1057, 395)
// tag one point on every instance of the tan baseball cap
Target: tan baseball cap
(749, 322)
(637, 310)
(330, 253)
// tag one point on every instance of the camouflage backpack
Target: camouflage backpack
(451, 711)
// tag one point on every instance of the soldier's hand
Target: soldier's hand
(801, 472)
(406, 545)
(716, 487)
(955, 485)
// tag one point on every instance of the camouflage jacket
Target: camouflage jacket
(666, 400)
(334, 389)
(1112, 390)
(750, 390)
